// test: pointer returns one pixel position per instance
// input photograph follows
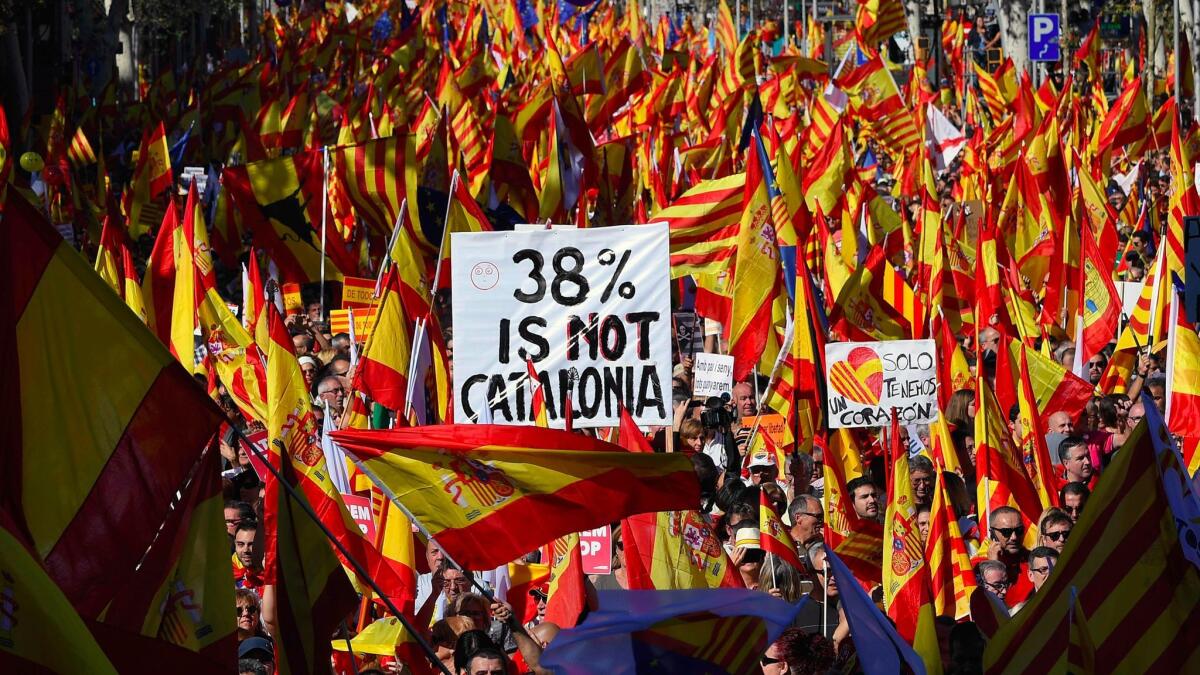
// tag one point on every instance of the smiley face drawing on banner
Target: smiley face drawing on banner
(859, 377)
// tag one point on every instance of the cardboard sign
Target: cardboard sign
(595, 547)
(591, 308)
(364, 321)
(712, 375)
(772, 424)
(292, 304)
(867, 380)
(358, 292)
(360, 511)
(197, 174)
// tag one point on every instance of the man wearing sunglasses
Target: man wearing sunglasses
(1041, 564)
(1054, 531)
(1006, 534)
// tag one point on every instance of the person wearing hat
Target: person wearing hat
(748, 555)
(540, 595)
(762, 467)
(259, 650)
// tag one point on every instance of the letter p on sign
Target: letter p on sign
(1044, 35)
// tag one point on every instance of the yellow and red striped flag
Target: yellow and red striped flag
(1131, 561)
(703, 224)
(878, 20)
(80, 152)
(726, 30)
(537, 396)
(493, 478)
(773, 536)
(906, 592)
(125, 463)
(372, 176)
(131, 287)
(950, 573)
(108, 254)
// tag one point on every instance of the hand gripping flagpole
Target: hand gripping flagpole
(387, 492)
(341, 548)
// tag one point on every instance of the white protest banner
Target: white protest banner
(868, 379)
(590, 307)
(595, 549)
(712, 375)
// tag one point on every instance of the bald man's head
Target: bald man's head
(1060, 422)
(544, 633)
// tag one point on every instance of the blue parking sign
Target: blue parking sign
(1044, 33)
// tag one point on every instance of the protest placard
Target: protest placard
(589, 307)
(292, 303)
(360, 511)
(595, 548)
(867, 380)
(689, 333)
(358, 292)
(364, 321)
(712, 375)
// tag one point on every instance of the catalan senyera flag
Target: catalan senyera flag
(280, 201)
(566, 595)
(878, 20)
(126, 465)
(951, 578)
(1131, 562)
(151, 176)
(704, 226)
(80, 152)
(857, 540)
(472, 483)
(1000, 475)
(181, 591)
(725, 30)
(775, 538)
(906, 590)
(373, 177)
(383, 367)
(42, 632)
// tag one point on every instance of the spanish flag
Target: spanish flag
(280, 201)
(40, 630)
(292, 430)
(1130, 568)
(674, 550)
(382, 372)
(158, 283)
(906, 592)
(151, 176)
(181, 591)
(1001, 478)
(515, 487)
(567, 596)
(126, 464)
(774, 537)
